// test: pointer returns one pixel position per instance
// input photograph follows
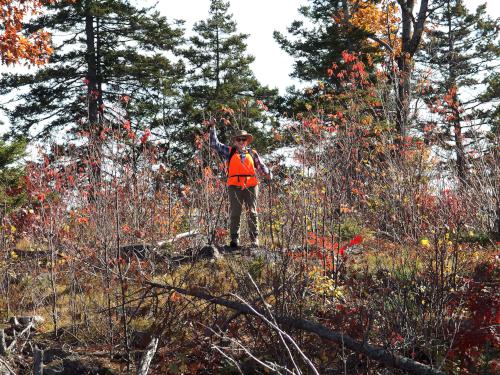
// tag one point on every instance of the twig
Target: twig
(269, 365)
(224, 326)
(229, 358)
(282, 333)
(7, 366)
(28, 327)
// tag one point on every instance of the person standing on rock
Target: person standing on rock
(243, 163)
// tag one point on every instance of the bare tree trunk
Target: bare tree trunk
(123, 286)
(410, 40)
(53, 285)
(147, 357)
(90, 58)
(403, 94)
(459, 145)
(455, 104)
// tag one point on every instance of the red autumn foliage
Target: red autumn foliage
(145, 136)
(480, 329)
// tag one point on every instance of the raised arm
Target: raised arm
(221, 148)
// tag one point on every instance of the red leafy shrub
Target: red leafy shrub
(478, 337)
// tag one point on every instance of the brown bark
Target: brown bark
(459, 145)
(410, 40)
(455, 104)
(90, 58)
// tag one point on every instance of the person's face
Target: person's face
(241, 142)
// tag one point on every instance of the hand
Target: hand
(208, 124)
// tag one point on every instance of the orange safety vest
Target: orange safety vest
(240, 173)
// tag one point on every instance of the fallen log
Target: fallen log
(376, 353)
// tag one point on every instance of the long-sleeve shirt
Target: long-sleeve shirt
(225, 150)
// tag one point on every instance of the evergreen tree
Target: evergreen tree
(491, 96)
(461, 50)
(11, 192)
(373, 27)
(221, 82)
(104, 50)
(327, 28)
(320, 38)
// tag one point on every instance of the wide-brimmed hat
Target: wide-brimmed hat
(243, 133)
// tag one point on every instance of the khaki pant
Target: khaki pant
(238, 197)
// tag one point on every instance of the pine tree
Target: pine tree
(461, 50)
(491, 96)
(104, 50)
(320, 38)
(327, 29)
(221, 82)
(11, 192)
(376, 28)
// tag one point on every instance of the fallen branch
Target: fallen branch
(6, 365)
(284, 336)
(378, 354)
(147, 357)
(3, 346)
(27, 330)
(235, 315)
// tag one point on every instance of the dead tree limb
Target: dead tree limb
(7, 367)
(147, 357)
(26, 331)
(378, 354)
(3, 346)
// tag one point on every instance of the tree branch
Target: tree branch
(381, 42)
(419, 27)
(378, 354)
